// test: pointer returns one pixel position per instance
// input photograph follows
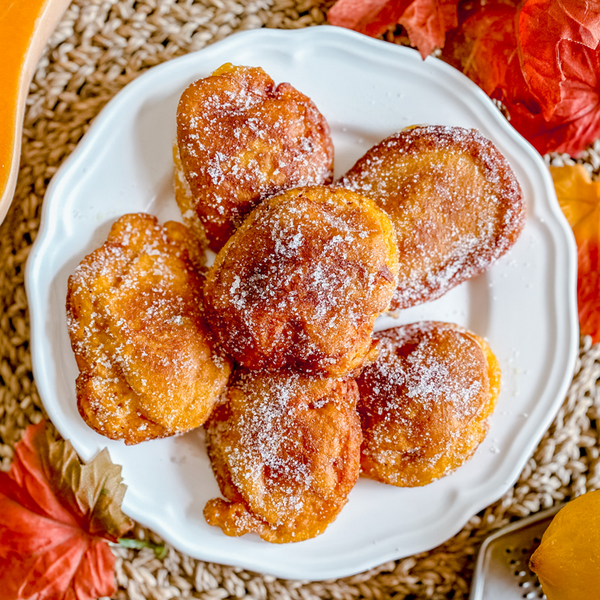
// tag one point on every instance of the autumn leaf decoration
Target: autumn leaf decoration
(540, 58)
(426, 21)
(56, 516)
(579, 198)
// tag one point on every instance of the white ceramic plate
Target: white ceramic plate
(525, 305)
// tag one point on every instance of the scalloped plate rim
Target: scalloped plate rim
(455, 518)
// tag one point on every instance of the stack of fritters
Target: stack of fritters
(302, 271)
(292, 297)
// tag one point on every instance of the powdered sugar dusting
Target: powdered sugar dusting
(135, 319)
(291, 448)
(454, 202)
(302, 282)
(242, 139)
(425, 394)
(266, 434)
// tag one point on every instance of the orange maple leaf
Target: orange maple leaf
(541, 59)
(426, 21)
(55, 516)
(579, 198)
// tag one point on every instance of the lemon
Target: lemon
(567, 561)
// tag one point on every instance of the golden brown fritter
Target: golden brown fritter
(134, 311)
(285, 450)
(425, 402)
(300, 283)
(242, 139)
(454, 201)
(187, 205)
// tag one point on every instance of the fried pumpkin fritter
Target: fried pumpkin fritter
(147, 364)
(242, 139)
(454, 201)
(187, 204)
(425, 402)
(285, 450)
(300, 283)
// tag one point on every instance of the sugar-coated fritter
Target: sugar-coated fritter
(300, 283)
(425, 402)
(454, 201)
(285, 450)
(242, 139)
(134, 310)
(187, 205)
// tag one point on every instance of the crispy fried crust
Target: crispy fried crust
(425, 402)
(454, 201)
(187, 205)
(134, 312)
(285, 450)
(242, 139)
(300, 283)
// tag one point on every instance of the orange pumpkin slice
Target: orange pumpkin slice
(26, 27)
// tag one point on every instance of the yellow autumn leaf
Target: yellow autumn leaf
(579, 198)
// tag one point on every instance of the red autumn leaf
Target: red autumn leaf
(50, 544)
(543, 26)
(576, 120)
(583, 12)
(579, 198)
(554, 101)
(371, 17)
(426, 21)
(486, 48)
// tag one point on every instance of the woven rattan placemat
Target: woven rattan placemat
(99, 46)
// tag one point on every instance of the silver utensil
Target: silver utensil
(502, 570)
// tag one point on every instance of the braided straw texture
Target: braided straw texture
(101, 45)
